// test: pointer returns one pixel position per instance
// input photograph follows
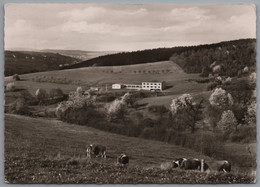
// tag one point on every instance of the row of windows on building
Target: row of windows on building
(148, 83)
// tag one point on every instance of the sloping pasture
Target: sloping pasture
(50, 151)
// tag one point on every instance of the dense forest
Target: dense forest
(193, 59)
(226, 59)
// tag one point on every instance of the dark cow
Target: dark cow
(221, 166)
(193, 164)
(177, 162)
(97, 150)
(123, 159)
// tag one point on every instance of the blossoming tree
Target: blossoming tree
(186, 112)
(220, 98)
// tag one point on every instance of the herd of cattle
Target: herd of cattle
(182, 163)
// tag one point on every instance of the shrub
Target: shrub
(212, 86)
(157, 109)
(216, 69)
(202, 81)
(228, 121)
(56, 93)
(245, 70)
(210, 144)
(252, 78)
(116, 110)
(27, 96)
(41, 95)
(148, 122)
(16, 77)
(241, 90)
(106, 98)
(50, 112)
(244, 134)
(19, 106)
(251, 113)
(227, 80)
(81, 115)
(10, 87)
(75, 101)
(79, 90)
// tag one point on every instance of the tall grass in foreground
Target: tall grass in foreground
(82, 170)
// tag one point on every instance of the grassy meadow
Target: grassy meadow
(176, 80)
(41, 150)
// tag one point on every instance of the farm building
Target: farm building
(116, 86)
(143, 86)
(133, 86)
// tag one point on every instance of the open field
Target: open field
(176, 80)
(50, 151)
(166, 100)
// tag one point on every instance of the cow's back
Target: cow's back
(191, 164)
(99, 149)
(221, 165)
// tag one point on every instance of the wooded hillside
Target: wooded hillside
(234, 54)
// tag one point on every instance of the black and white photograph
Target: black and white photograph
(130, 93)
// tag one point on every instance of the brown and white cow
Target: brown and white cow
(123, 159)
(189, 164)
(220, 165)
(177, 162)
(96, 150)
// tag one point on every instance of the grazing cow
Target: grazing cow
(193, 164)
(97, 150)
(221, 165)
(177, 162)
(123, 159)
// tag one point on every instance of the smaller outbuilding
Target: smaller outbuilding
(116, 86)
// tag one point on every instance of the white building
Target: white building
(133, 86)
(116, 86)
(143, 86)
(153, 85)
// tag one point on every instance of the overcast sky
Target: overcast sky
(124, 27)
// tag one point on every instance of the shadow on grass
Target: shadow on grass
(19, 89)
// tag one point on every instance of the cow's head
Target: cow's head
(177, 162)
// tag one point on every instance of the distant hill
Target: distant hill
(164, 54)
(79, 54)
(21, 62)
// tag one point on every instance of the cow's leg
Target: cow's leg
(104, 154)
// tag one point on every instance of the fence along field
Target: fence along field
(50, 151)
